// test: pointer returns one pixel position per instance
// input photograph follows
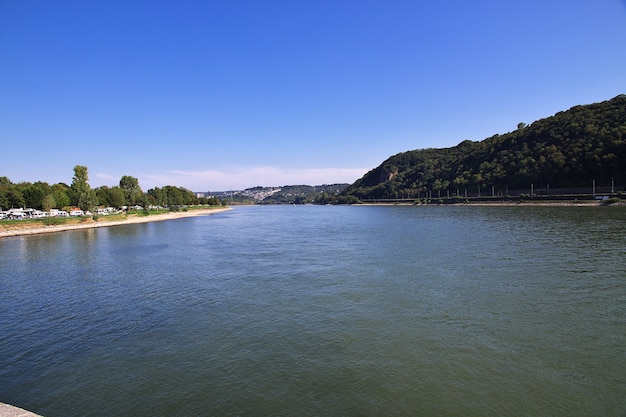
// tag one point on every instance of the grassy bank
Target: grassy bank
(28, 226)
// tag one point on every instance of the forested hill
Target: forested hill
(570, 149)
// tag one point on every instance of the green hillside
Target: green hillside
(570, 149)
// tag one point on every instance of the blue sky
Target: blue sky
(231, 94)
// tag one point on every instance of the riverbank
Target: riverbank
(569, 201)
(17, 229)
(7, 410)
(590, 203)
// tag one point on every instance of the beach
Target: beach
(38, 228)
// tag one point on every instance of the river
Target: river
(321, 310)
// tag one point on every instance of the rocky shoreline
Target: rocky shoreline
(30, 229)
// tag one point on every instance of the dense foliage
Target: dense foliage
(42, 196)
(570, 149)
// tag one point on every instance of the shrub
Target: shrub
(51, 221)
(612, 200)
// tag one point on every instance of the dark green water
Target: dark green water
(311, 311)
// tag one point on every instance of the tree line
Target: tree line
(570, 149)
(43, 196)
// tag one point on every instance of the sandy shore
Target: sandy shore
(37, 229)
(7, 410)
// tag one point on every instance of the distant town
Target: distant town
(288, 194)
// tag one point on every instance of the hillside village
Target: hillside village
(288, 194)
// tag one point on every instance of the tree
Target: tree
(4, 200)
(80, 181)
(85, 197)
(132, 191)
(88, 201)
(213, 201)
(60, 193)
(35, 193)
(174, 196)
(48, 202)
(116, 195)
(104, 197)
(158, 195)
(15, 197)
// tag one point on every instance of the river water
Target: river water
(321, 310)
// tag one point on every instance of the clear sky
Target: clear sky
(215, 95)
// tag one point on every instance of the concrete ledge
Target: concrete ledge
(7, 410)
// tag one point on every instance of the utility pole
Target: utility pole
(594, 187)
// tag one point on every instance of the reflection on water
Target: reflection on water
(321, 311)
